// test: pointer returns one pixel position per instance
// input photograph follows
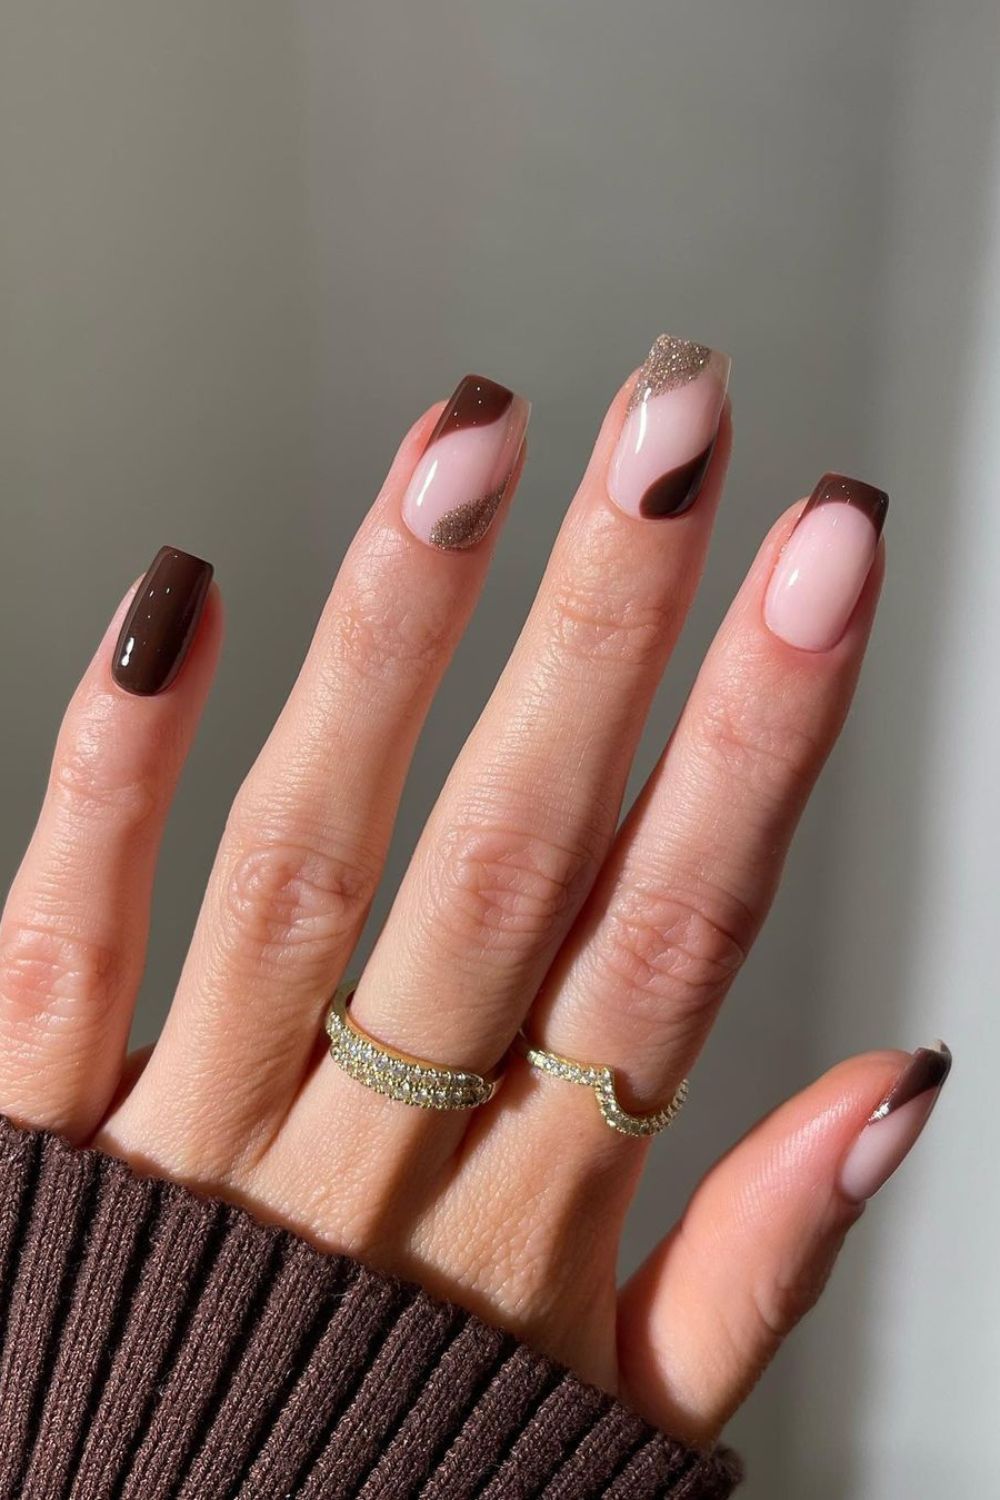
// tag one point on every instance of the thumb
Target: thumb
(703, 1316)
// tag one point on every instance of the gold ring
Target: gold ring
(397, 1075)
(601, 1079)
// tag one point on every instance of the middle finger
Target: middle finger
(531, 806)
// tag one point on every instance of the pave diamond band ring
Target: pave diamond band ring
(409, 1080)
(428, 1085)
(601, 1079)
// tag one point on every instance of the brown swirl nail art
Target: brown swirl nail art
(671, 424)
(464, 471)
(476, 402)
(676, 491)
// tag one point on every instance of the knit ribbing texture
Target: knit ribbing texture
(154, 1344)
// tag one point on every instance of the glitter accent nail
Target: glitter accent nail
(467, 524)
(670, 427)
(670, 363)
(456, 488)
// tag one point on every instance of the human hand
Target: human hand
(524, 905)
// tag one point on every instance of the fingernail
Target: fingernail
(670, 429)
(161, 622)
(896, 1123)
(461, 478)
(822, 569)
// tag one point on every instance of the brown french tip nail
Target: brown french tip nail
(896, 1122)
(928, 1069)
(161, 622)
(841, 489)
(822, 570)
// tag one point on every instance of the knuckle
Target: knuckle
(379, 637)
(283, 895)
(593, 625)
(499, 887)
(781, 1303)
(49, 975)
(97, 774)
(760, 742)
(657, 947)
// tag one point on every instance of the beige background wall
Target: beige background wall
(242, 244)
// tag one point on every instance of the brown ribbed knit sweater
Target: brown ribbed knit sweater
(154, 1344)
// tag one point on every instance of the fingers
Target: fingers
(704, 1315)
(73, 932)
(695, 867)
(530, 807)
(305, 842)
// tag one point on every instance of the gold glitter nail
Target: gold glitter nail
(467, 524)
(670, 363)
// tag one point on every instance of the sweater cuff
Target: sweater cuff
(154, 1343)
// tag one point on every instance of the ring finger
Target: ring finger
(697, 862)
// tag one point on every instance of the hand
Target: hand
(525, 903)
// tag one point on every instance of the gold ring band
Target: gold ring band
(601, 1079)
(398, 1075)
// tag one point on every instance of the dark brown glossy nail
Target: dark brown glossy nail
(840, 489)
(926, 1071)
(161, 622)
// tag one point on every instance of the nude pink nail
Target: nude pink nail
(670, 429)
(895, 1125)
(822, 570)
(463, 474)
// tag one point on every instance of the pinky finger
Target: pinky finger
(703, 1316)
(73, 931)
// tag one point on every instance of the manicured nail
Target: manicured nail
(461, 478)
(670, 429)
(822, 569)
(161, 622)
(896, 1123)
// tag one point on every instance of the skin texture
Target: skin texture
(524, 904)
